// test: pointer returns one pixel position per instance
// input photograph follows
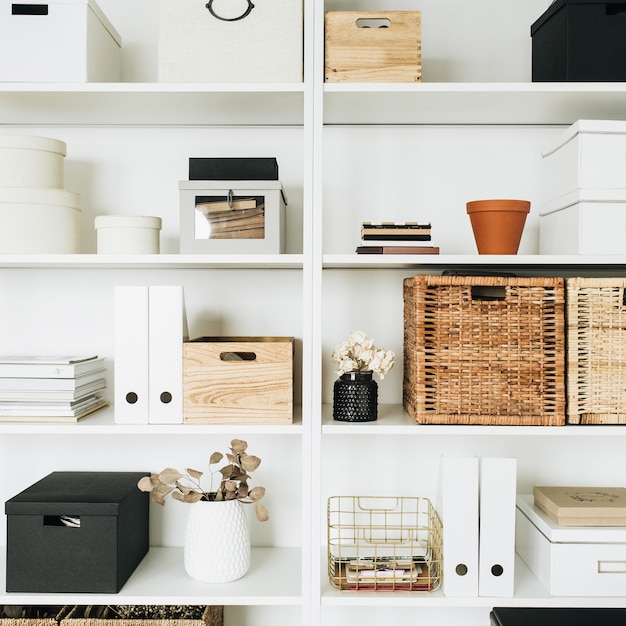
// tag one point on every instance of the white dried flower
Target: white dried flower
(358, 353)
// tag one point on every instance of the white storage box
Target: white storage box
(226, 42)
(232, 217)
(570, 561)
(128, 234)
(68, 41)
(28, 161)
(589, 155)
(39, 221)
(584, 222)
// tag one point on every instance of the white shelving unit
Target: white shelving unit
(347, 153)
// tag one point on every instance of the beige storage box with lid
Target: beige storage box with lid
(70, 41)
(230, 42)
(39, 221)
(128, 234)
(29, 161)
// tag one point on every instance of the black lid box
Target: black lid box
(233, 168)
(76, 532)
(556, 616)
(580, 40)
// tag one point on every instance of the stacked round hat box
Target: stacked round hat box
(37, 215)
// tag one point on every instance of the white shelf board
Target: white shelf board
(152, 261)
(394, 420)
(472, 103)
(145, 104)
(274, 578)
(528, 592)
(485, 262)
(101, 423)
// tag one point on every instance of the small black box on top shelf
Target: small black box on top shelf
(233, 168)
(76, 532)
(580, 40)
(553, 616)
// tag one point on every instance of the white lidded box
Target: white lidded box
(67, 41)
(28, 161)
(589, 154)
(221, 41)
(39, 221)
(585, 221)
(571, 561)
(232, 216)
(128, 234)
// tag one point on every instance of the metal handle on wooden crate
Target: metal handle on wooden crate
(209, 6)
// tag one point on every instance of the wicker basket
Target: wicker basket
(384, 543)
(32, 615)
(159, 615)
(596, 350)
(484, 350)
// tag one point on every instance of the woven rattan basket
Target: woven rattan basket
(158, 615)
(32, 615)
(380, 543)
(596, 350)
(484, 350)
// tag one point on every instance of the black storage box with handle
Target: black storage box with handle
(555, 616)
(76, 532)
(580, 40)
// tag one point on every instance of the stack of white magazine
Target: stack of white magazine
(51, 388)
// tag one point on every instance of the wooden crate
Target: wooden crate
(157, 615)
(238, 380)
(484, 350)
(596, 350)
(356, 52)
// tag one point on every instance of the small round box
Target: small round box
(39, 221)
(34, 162)
(128, 234)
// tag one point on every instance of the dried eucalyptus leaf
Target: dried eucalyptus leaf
(12, 611)
(227, 471)
(230, 485)
(170, 475)
(256, 493)
(157, 498)
(261, 512)
(163, 489)
(197, 474)
(250, 462)
(233, 458)
(216, 457)
(192, 496)
(238, 446)
(242, 490)
(145, 484)
(177, 495)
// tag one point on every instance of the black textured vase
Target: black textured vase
(355, 397)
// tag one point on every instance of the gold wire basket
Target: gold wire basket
(378, 543)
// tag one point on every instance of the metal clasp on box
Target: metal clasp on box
(209, 6)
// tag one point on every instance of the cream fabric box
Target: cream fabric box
(226, 42)
(69, 41)
(584, 222)
(590, 154)
(570, 561)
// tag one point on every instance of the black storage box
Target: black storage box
(233, 168)
(586, 616)
(76, 532)
(580, 40)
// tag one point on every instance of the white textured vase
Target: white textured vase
(217, 541)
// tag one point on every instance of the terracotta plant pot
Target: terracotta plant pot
(498, 224)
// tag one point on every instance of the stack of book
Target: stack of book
(50, 389)
(392, 238)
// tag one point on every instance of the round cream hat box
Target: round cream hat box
(33, 162)
(128, 234)
(39, 221)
